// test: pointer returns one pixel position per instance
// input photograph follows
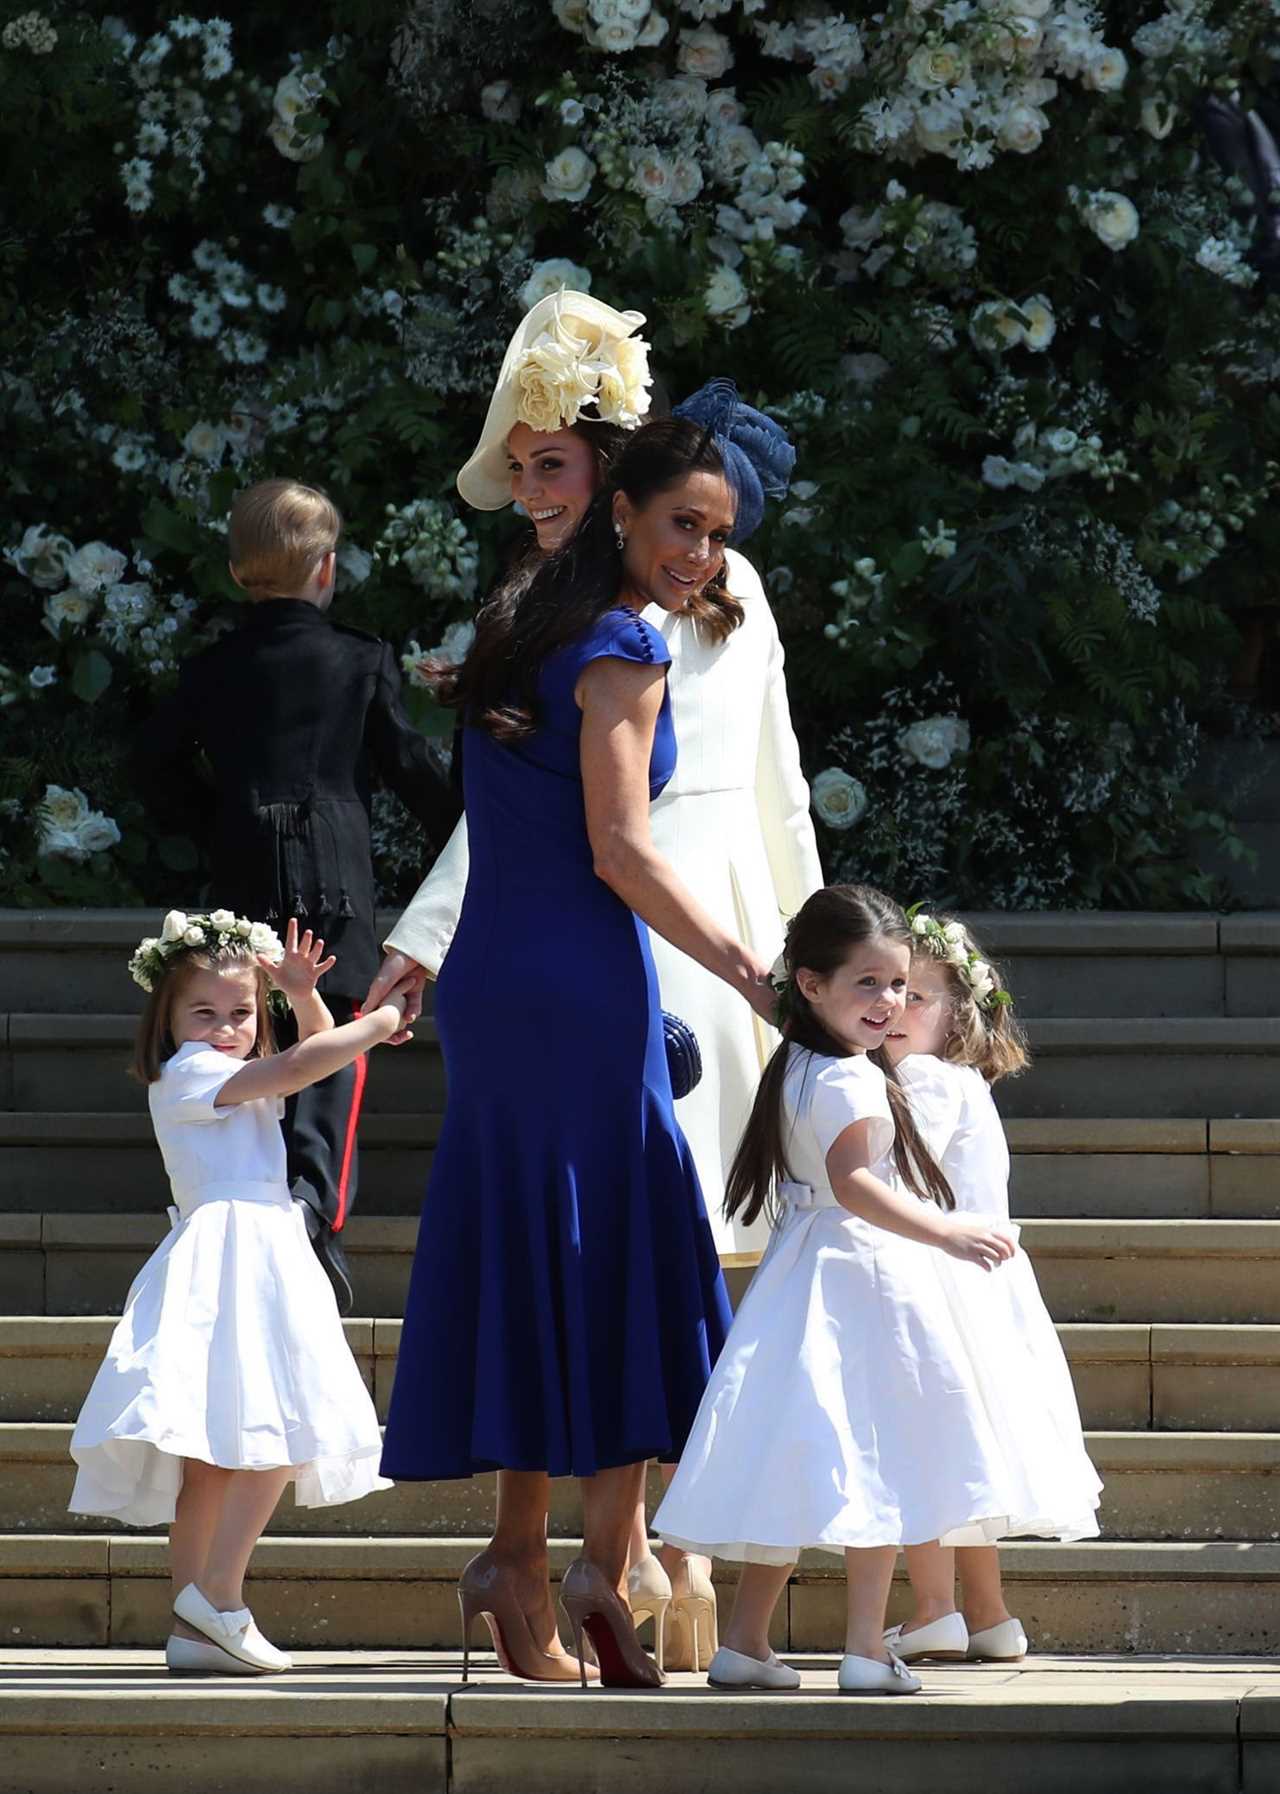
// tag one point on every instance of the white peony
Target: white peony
(223, 919)
(1112, 218)
(935, 741)
(95, 567)
(568, 176)
(839, 800)
(551, 277)
(174, 926)
(705, 52)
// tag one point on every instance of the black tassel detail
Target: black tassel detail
(272, 915)
(344, 908)
(299, 907)
(322, 904)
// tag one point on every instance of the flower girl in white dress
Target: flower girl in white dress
(847, 1410)
(228, 1375)
(955, 1039)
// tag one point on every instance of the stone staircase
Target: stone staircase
(1147, 1177)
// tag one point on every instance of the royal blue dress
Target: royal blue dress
(566, 1303)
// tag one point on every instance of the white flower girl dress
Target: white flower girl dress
(230, 1348)
(854, 1403)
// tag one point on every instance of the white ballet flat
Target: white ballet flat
(946, 1639)
(867, 1675)
(232, 1632)
(731, 1669)
(1005, 1643)
(196, 1657)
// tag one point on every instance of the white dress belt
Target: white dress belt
(274, 1195)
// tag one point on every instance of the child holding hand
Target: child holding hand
(228, 1375)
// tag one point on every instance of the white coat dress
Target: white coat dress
(734, 822)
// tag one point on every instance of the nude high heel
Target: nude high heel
(649, 1590)
(693, 1622)
(598, 1611)
(487, 1590)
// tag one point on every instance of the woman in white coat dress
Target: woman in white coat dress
(734, 820)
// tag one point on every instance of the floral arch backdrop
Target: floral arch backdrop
(972, 250)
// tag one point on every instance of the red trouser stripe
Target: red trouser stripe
(349, 1147)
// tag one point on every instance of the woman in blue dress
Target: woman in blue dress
(566, 1303)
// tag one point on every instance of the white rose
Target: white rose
(1106, 70)
(653, 31)
(934, 741)
(292, 146)
(979, 972)
(64, 808)
(244, 928)
(705, 52)
(616, 37)
(920, 923)
(997, 471)
(291, 99)
(550, 277)
(686, 180)
(957, 953)
(652, 174)
(96, 566)
(456, 645)
(994, 326)
(193, 936)
(40, 557)
(953, 931)
(1060, 440)
(840, 801)
(942, 65)
(354, 564)
(723, 109)
(726, 297)
(1112, 218)
(174, 926)
(500, 103)
(572, 14)
(98, 833)
(1022, 129)
(1159, 115)
(222, 919)
(1040, 326)
(70, 607)
(264, 939)
(865, 369)
(205, 441)
(568, 176)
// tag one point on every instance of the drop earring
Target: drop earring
(619, 536)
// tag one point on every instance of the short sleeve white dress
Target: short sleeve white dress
(851, 1405)
(230, 1348)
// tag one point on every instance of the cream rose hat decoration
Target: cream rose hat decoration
(571, 358)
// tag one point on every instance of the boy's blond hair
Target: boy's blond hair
(279, 530)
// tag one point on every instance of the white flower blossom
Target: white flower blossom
(935, 741)
(839, 800)
(551, 277)
(95, 567)
(568, 176)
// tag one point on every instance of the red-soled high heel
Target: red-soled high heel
(487, 1590)
(596, 1609)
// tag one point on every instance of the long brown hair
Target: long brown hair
(539, 607)
(154, 1042)
(830, 926)
(990, 1039)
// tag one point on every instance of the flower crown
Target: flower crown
(574, 365)
(948, 941)
(180, 932)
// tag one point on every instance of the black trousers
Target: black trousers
(320, 1129)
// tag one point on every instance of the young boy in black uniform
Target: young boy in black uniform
(293, 711)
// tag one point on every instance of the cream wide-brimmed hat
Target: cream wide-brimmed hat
(571, 357)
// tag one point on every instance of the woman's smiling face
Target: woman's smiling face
(554, 477)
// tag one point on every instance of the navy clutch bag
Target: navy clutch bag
(684, 1060)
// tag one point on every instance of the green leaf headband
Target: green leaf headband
(181, 932)
(949, 942)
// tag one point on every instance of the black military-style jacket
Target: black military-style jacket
(295, 714)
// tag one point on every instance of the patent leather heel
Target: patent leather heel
(595, 1609)
(693, 1622)
(649, 1590)
(487, 1591)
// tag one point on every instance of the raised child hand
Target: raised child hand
(977, 1242)
(303, 964)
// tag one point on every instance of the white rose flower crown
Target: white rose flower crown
(181, 932)
(950, 943)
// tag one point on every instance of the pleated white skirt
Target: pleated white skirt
(230, 1350)
(864, 1398)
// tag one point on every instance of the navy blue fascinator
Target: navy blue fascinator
(757, 453)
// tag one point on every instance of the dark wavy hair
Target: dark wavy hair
(540, 606)
(830, 926)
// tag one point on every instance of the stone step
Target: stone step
(403, 1723)
(1059, 963)
(1089, 1270)
(1128, 1377)
(97, 1590)
(1158, 1486)
(1139, 1168)
(1181, 1067)
(55, 1063)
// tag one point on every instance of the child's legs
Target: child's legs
(932, 1569)
(195, 1520)
(759, 1588)
(869, 1573)
(219, 1518)
(980, 1586)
